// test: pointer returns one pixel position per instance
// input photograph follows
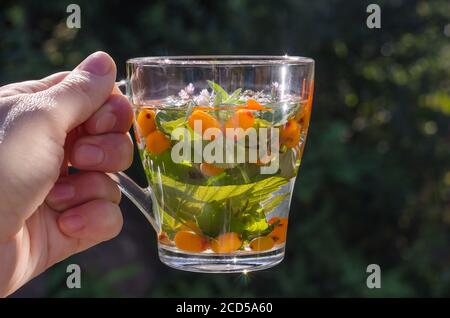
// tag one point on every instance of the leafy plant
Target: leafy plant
(222, 97)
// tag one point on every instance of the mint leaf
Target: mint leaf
(168, 126)
(212, 219)
(234, 96)
(168, 121)
(222, 97)
(218, 90)
(259, 229)
(255, 228)
(272, 203)
(219, 217)
(217, 100)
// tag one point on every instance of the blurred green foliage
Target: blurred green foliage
(375, 180)
(94, 284)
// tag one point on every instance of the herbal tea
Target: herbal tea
(222, 167)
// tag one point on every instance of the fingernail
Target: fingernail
(61, 192)
(105, 122)
(71, 222)
(97, 63)
(88, 155)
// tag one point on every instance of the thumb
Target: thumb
(83, 91)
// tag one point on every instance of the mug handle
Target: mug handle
(141, 197)
(122, 85)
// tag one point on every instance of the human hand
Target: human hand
(77, 118)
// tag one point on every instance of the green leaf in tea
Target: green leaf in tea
(168, 121)
(219, 92)
(222, 97)
(212, 219)
(235, 94)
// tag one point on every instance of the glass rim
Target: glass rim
(222, 60)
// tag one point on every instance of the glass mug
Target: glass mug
(220, 139)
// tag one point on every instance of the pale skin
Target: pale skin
(77, 119)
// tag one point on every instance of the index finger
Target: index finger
(33, 86)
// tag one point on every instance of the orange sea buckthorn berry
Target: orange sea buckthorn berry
(290, 134)
(279, 232)
(207, 121)
(189, 241)
(146, 121)
(241, 119)
(210, 170)
(226, 243)
(157, 142)
(262, 243)
(254, 105)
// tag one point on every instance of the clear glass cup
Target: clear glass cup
(221, 140)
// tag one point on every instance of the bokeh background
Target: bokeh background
(374, 185)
